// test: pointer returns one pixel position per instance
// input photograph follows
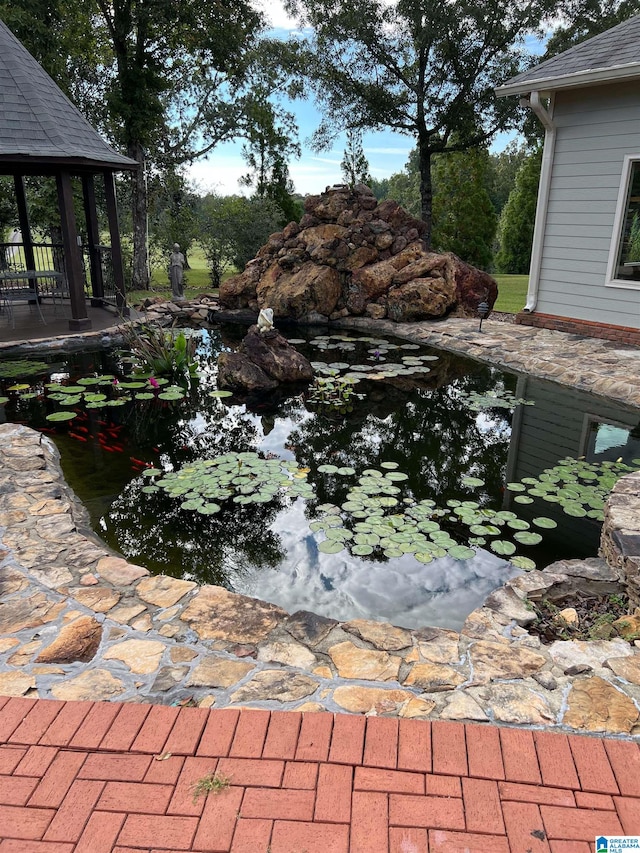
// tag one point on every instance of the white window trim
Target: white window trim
(618, 222)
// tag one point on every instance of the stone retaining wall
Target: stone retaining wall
(78, 622)
(620, 543)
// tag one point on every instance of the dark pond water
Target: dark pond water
(414, 431)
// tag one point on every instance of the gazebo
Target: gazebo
(43, 134)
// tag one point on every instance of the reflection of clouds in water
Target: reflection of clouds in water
(277, 439)
(403, 591)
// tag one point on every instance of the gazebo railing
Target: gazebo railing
(50, 257)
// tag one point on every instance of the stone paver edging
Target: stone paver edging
(78, 622)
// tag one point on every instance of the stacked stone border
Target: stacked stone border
(78, 622)
(620, 543)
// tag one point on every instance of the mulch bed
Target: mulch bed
(596, 615)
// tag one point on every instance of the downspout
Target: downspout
(545, 117)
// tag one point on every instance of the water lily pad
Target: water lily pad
(518, 524)
(390, 466)
(331, 546)
(544, 522)
(328, 469)
(362, 550)
(523, 563)
(220, 394)
(150, 490)
(61, 416)
(502, 547)
(525, 537)
(523, 499)
(461, 552)
(472, 481)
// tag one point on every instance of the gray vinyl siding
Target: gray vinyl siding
(596, 129)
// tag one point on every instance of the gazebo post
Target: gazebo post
(79, 319)
(116, 247)
(23, 218)
(93, 236)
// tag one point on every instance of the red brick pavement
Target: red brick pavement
(119, 778)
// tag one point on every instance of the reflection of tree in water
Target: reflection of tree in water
(429, 432)
(183, 543)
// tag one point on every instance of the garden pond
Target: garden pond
(405, 486)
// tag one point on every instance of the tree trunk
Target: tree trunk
(426, 188)
(140, 273)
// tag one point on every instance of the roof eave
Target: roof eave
(579, 80)
(32, 163)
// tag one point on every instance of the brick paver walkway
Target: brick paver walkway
(101, 777)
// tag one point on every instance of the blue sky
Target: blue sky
(386, 151)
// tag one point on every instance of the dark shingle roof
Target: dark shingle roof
(610, 56)
(38, 123)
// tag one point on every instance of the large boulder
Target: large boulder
(311, 289)
(351, 255)
(261, 363)
(472, 287)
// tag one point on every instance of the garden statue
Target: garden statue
(176, 272)
(265, 320)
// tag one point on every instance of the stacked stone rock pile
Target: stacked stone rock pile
(196, 313)
(349, 255)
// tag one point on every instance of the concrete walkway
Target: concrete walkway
(100, 777)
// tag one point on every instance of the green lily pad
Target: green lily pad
(522, 563)
(544, 522)
(221, 393)
(461, 552)
(328, 469)
(361, 550)
(502, 547)
(331, 546)
(472, 481)
(61, 416)
(525, 537)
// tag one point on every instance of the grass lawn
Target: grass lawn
(512, 293)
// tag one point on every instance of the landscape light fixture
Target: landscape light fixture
(483, 311)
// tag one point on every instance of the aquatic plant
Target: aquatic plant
(243, 478)
(579, 487)
(16, 369)
(162, 352)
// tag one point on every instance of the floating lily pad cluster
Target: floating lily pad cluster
(499, 398)
(580, 488)
(99, 392)
(413, 527)
(377, 366)
(244, 478)
(15, 369)
(333, 392)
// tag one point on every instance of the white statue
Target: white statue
(265, 320)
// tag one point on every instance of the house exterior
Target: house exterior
(585, 264)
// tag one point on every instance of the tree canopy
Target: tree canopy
(423, 68)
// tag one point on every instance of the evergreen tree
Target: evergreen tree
(355, 166)
(515, 231)
(464, 219)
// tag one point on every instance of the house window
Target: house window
(624, 267)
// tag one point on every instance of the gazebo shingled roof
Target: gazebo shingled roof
(38, 122)
(43, 133)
